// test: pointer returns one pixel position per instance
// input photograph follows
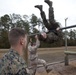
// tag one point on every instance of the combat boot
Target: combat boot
(39, 7)
(49, 2)
(48, 69)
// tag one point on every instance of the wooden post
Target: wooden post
(66, 60)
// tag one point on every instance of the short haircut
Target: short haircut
(15, 34)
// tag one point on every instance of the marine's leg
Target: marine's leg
(48, 2)
(51, 11)
(51, 15)
(33, 67)
(43, 16)
(41, 61)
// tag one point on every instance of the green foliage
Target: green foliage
(29, 24)
(33, 20)
(4, 39)
(4, 22)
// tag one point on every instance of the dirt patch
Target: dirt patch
(60, 69)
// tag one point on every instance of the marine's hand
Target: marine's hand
(58, 28)
(36, 36)
(44, 35)
(30, 39)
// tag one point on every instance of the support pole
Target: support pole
(66, 35)
(66, 60)
(66, 55)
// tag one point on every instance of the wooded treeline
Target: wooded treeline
(32, 24)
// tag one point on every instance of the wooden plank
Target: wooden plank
(70, 52)
(66, 56)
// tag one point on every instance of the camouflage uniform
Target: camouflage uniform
(33, 57)
(50, 24)
(13, 64)
(33, 50)
(51, 37)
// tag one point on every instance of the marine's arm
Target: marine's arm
(37, 41)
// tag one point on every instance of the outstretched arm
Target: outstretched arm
(34, 47)
(37, 41)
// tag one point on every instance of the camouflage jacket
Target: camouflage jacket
(13, 64)
(54, 36)
(33, 50)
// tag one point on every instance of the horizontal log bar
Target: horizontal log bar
(60, 29)
(68, 27)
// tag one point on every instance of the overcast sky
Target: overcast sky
(62, 9)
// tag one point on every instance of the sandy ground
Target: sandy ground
(52, 55)
(59, 69)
